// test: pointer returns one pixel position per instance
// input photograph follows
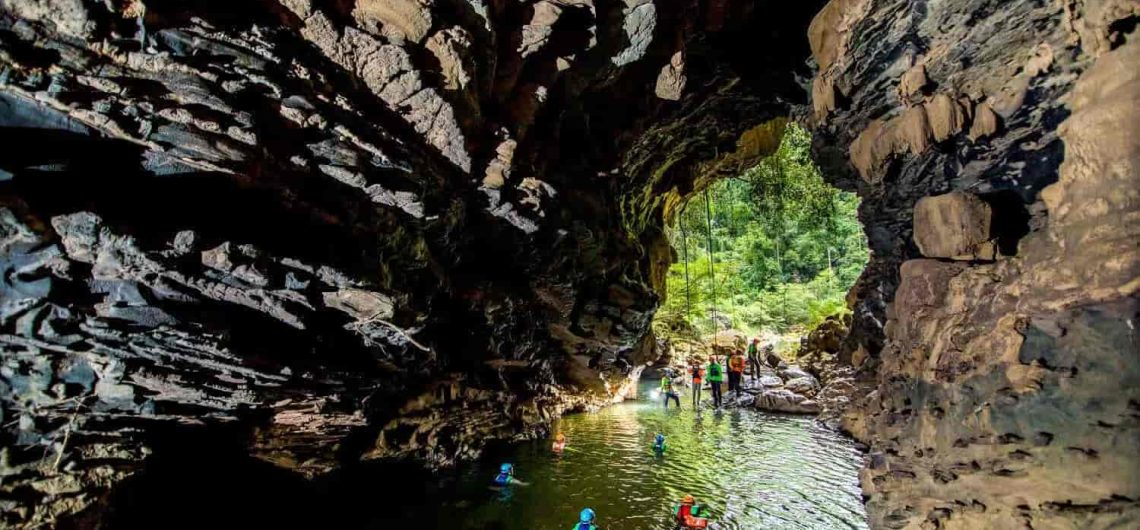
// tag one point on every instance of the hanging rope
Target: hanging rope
(735, 233)
(832, 212)
(691, 331)
(783, 230)
(712, 271)
(685, 253)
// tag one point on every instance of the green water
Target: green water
(754, 470)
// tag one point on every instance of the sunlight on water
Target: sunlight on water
(754, 470)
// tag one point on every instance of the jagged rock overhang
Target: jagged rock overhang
(384, 242)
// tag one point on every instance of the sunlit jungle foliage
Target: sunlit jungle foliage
(786, 247)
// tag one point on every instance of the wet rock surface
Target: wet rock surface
(315, 233)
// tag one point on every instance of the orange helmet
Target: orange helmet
(560, 437)
(688, 500)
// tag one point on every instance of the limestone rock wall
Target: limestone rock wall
(315, 233)
(995, 147)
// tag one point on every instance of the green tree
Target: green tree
(785, 247)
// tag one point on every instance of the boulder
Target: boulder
(740, 399)
(793, 372)
(728, 341)
(826, 337)
(803, 385)
(773, 360)
(770, 381)
(782, 400)
(955, 225)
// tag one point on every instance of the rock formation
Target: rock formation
(323, 232)
(999, 170)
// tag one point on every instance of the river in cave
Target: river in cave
(754, 470)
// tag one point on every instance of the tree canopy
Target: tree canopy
(785, 247)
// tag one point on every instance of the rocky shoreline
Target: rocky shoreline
(817, 382)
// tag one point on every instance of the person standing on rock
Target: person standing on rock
(716, 377)
(735, 372)
(754, 357)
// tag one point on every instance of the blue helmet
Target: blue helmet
(660, 438)
(587, 515)
(506, 469)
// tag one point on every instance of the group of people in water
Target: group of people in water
(687, 514)
(714, 375)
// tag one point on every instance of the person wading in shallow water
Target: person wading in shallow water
(559, 443)
(586, 520)
(689, 514)
(697, 373)
(668, 390)
(506, 477)
(716, 377)
(735, 372)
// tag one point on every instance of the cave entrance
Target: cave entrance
(769, 252)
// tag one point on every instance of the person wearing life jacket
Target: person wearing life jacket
(689, 514)
(754, 357)
(716, 377)
(659, 444)
(736, 365)
(586, 520)
(697, 373)
(668, 391)
(559, 443)
(506, 477)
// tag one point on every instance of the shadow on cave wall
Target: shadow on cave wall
(58, 172)
(55, 171)
(204, 478)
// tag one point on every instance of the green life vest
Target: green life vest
(715, 374)
(695, 511)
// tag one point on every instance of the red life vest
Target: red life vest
(686, 519)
